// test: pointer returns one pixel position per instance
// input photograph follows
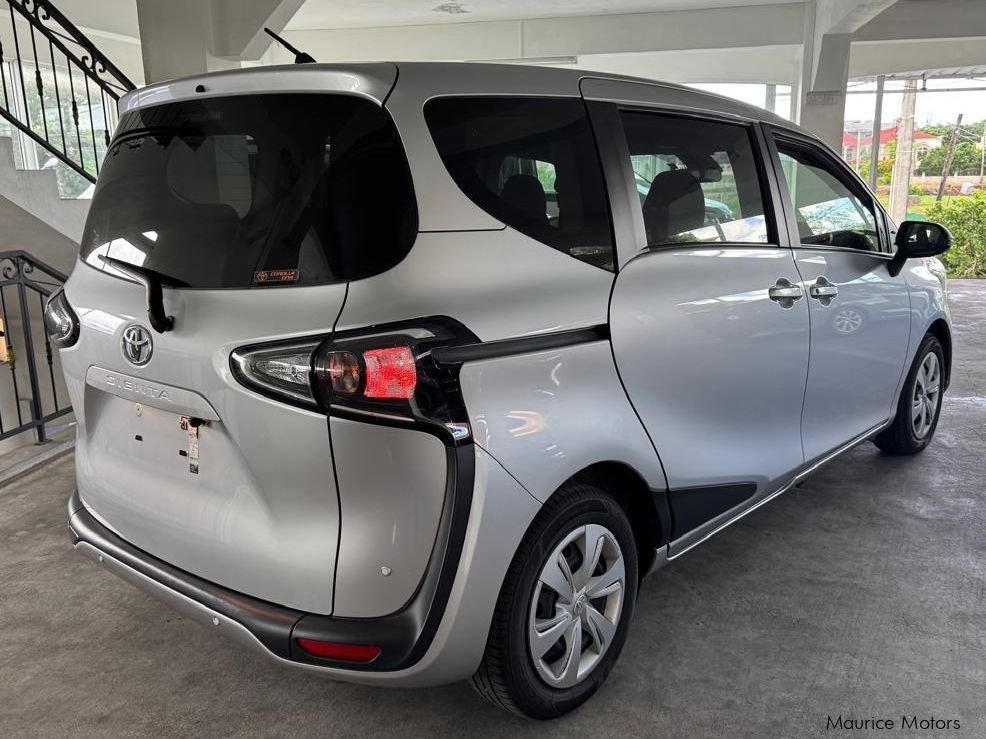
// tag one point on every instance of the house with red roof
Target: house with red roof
(923, 141)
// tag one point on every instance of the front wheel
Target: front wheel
(564, 607)
(920, 403)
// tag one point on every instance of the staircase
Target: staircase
(37, 192)
(58, 97)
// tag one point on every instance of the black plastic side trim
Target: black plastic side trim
(663, 507)
(405, 636)
(693, 507)
(522, 345)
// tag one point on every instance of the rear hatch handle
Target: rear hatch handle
(152, 282)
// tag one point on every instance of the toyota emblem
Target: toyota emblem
(137, 345)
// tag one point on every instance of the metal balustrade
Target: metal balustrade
(58, 92)
(31, 390)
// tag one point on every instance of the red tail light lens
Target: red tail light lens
(390, 373)
(343, 652)
(382, 374)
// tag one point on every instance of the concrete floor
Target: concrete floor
(862, 593)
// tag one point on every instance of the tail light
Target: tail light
(61, 322)
(386, 375)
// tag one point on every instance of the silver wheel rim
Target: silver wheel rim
(577, 603)
(924, 403)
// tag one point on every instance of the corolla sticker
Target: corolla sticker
(267, 276)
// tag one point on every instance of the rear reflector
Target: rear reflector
(342, 652)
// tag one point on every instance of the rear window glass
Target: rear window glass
(253, 191)
(531, 163)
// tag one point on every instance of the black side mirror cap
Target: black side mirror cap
(917, 239)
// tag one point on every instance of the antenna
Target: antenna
(300, 57)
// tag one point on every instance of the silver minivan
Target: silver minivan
(409, 373)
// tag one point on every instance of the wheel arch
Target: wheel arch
(647, 509)
(940, 330)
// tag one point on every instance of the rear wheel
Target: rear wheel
(564, 607)
(920, 403)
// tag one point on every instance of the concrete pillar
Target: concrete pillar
(175, 39)
(186, 37)
(823, 103)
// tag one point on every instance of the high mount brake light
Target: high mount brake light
(385, 375)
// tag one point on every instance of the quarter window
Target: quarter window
(530, 163)
(828, 212)
(697, 181)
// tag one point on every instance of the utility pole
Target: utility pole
(948, 157)
(859, 141)
(982, 156)
(900, 183)
(877, 127)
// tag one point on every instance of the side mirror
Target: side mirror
(917, 239)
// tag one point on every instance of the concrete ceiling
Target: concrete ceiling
(328, 14)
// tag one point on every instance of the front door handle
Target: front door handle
(785, 293)
(823, 291)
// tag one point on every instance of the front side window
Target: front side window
(530, 163)
(827, 210)
(254, 191)
(697, 181)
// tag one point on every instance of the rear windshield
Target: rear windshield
(257, 190)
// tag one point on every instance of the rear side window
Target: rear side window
(254, 191)
(531, 163)
(697, 181)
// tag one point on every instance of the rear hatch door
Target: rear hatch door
(252, 212)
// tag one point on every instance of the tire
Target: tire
(509, 676)
(908, 434)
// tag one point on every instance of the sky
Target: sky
(931, 107)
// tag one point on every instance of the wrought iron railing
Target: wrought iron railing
(58, 90)
(31, 389)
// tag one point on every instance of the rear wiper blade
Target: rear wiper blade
(152, 282)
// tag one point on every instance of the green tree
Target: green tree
(965, 217)
(884, 170)
(965, 160)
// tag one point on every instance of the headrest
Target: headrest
(674, 204)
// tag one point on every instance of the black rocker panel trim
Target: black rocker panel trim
(695, 506)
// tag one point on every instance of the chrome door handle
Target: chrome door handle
(823, 291)
(785, 293)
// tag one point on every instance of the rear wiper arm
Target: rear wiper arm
(152, 282)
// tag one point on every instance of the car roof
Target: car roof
(434, 79)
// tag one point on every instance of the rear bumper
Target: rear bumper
(438, 638)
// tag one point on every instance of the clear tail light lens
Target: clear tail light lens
(277, 370)
(387, 376)
(61, 323)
